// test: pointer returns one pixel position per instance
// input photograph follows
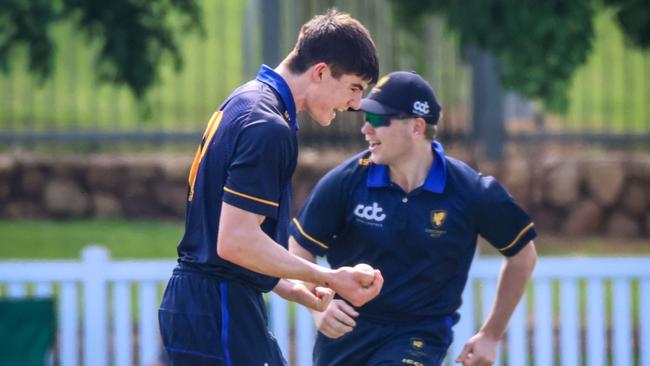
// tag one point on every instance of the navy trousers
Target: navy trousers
(373, 344)
(206, 321)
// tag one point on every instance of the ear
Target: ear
(419, 126)
(317, 71)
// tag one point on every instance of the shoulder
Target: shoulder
(484, 188)
(254, 106)
(354, 167)
(461, 173)
(347, 174)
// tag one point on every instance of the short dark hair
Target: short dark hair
(340, 41)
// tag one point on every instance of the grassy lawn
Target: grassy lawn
(547, 245)
(125, 239)
(158, 239)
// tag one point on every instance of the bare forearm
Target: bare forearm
(287, 290)
(303, 253)
(512, 283)
(283, 289)
(257, 252)
(242, 241)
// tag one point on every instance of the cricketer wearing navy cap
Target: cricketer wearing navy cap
(403, 94)
(406, 208)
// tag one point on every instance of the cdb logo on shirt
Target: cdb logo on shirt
(373, 213)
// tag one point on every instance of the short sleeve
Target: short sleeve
(501, 221)
(322, 216)
(258, 169)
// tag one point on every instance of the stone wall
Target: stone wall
(580, 192)
(569, 193)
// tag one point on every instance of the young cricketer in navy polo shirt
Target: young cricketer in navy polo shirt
(406, 208)
(239, 197)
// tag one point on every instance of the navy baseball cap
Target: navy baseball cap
(403, 93)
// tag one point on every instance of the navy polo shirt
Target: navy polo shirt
(246, 159)
(423, 241)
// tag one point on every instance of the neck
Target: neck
(297, 83)
(411, 172)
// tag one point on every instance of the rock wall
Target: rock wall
(573, 193)
(579, 193)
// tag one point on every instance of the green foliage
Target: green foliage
(634, 18)
(540, 44)
(134, 35)
(610, 91)
(27, 22)
(72, 98)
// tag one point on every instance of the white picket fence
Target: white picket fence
(101, 322)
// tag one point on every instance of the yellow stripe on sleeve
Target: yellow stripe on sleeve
(271, 203)
(295, 221)
(521, 233)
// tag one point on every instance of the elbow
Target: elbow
(533, 254)
(531, 257)
(525, 260)
(228, 249)
(534, 261)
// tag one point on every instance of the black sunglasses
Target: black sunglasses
(383, 120)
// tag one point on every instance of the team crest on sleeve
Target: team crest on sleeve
(438, 218)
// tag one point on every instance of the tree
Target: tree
(539, 44)
(634, 18)
(134, 35)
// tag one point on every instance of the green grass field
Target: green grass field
(157, 239)
(125, 239)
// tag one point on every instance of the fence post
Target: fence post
(95, 261)
(487, 102)
(148, 323)
(251, 33)
(280, 322)
(305, 336)
(271, 26)
(644, 319)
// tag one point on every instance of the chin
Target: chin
(325, 121)
(376, 159)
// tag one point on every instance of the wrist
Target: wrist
(324, 277)
(316, 316)
(490, 334)
(294, 291)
